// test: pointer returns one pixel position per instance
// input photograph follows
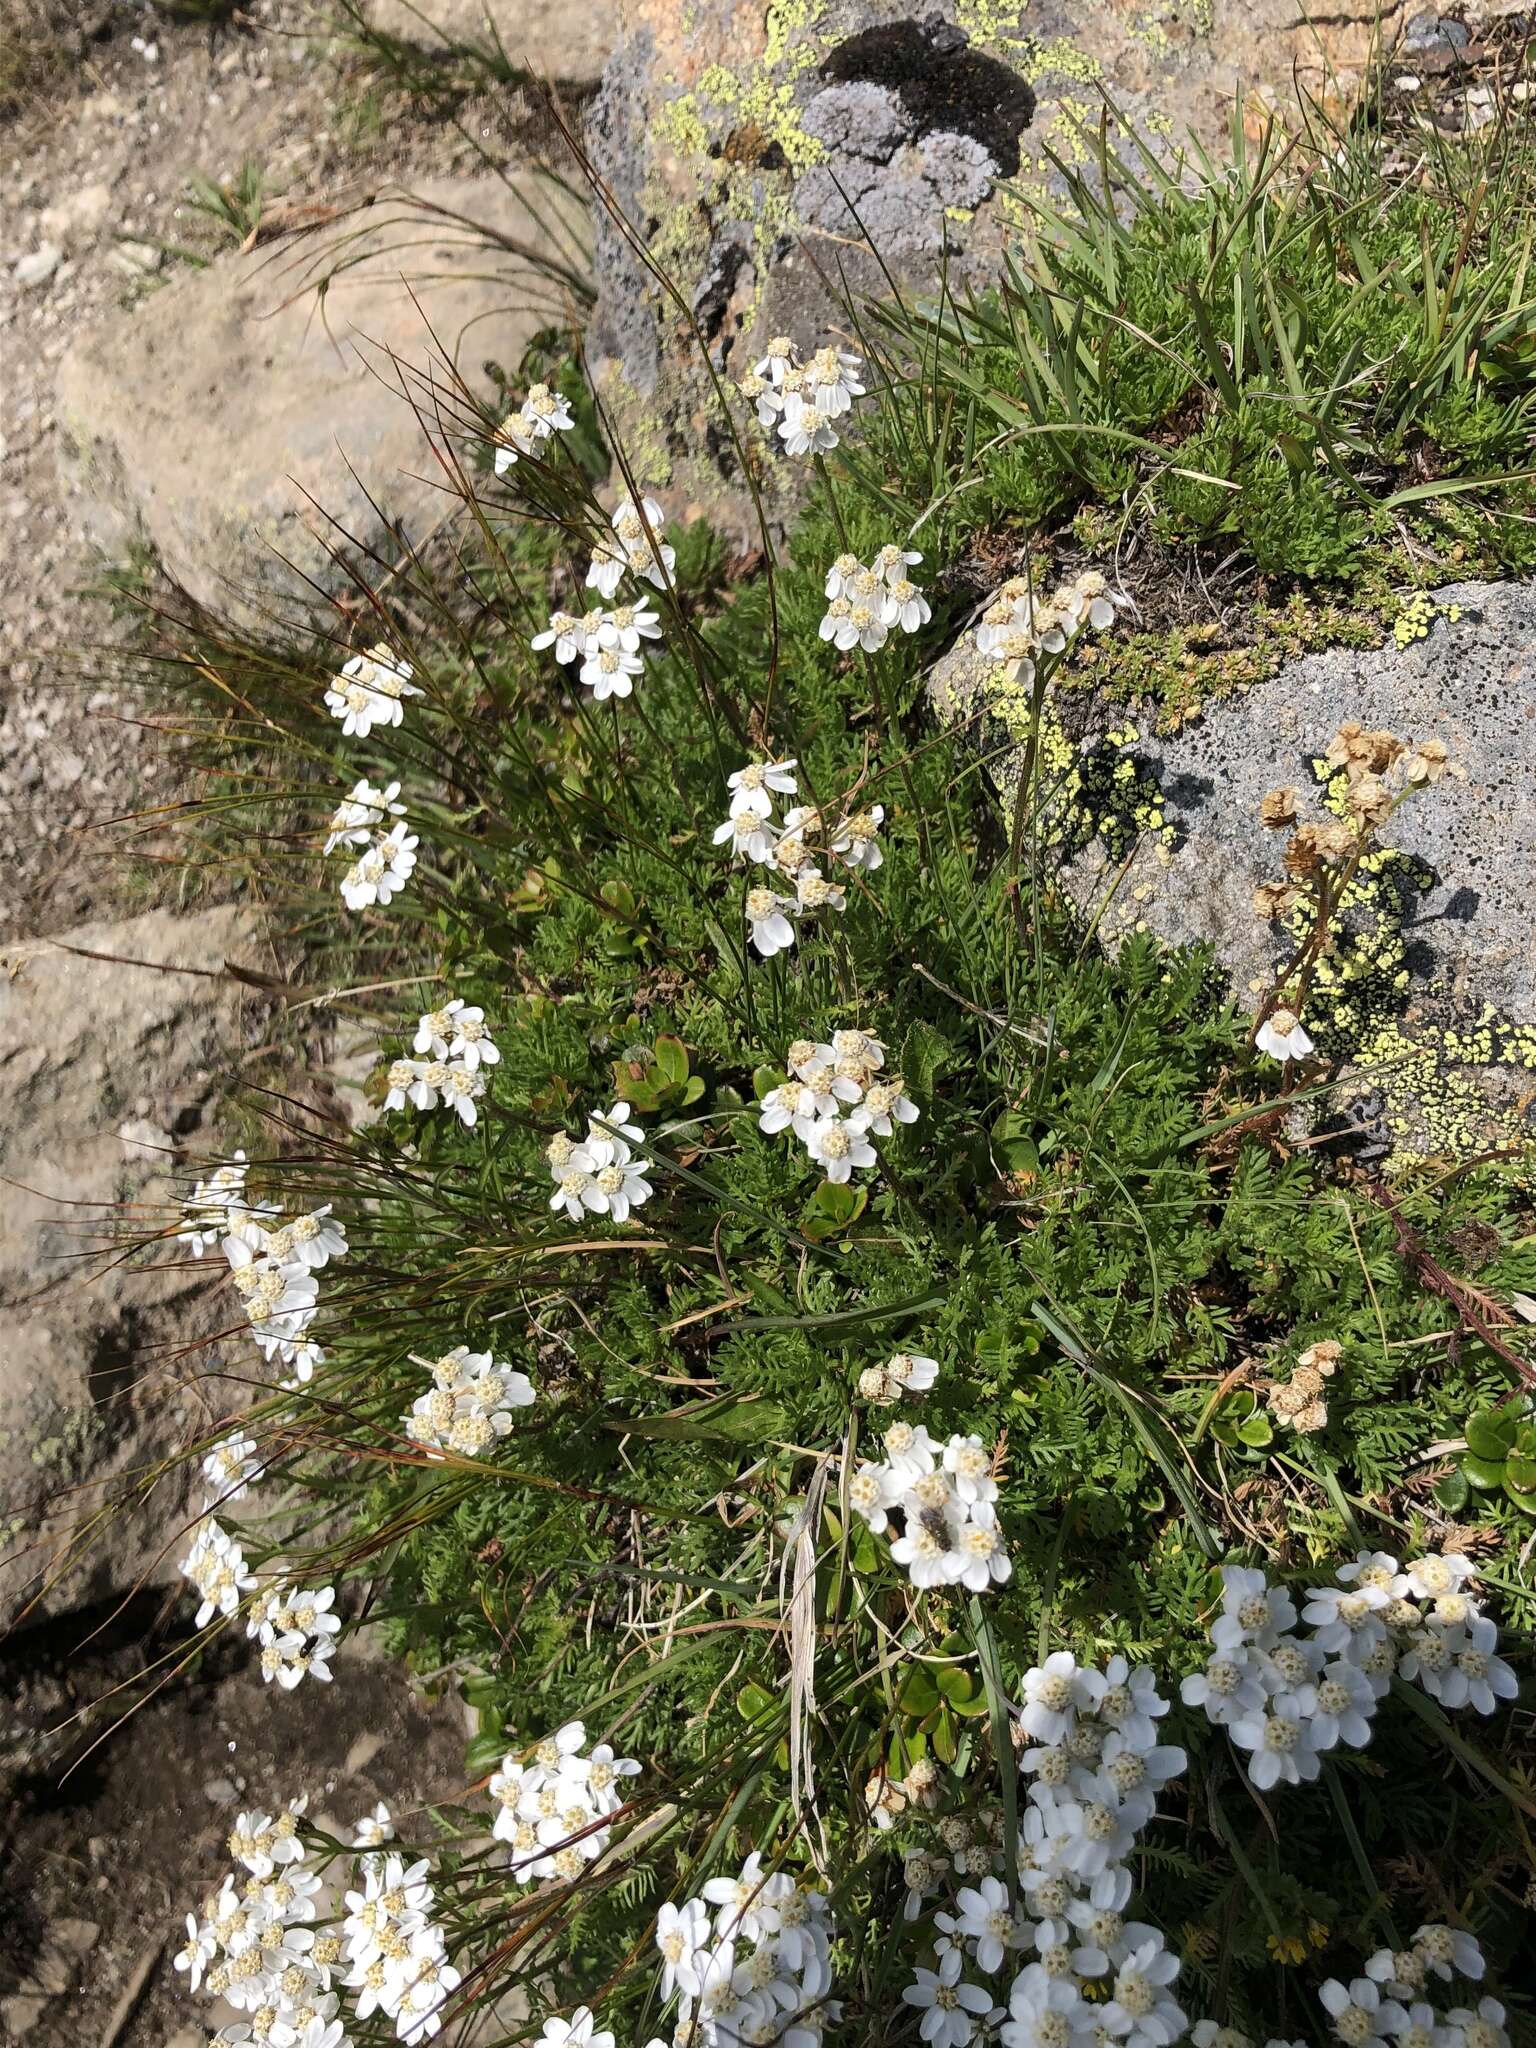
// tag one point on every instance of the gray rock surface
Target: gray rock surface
(108, 1067)
(568, 41)
(1458, 1038)
(1470, 684)
(773, 159)
(247, 429)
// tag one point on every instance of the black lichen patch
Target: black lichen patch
(944, 85)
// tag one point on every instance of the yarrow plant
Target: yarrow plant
(801, 401)
(554, 1810)
(835, 1100)
(946, 1498)
(1287, 1699)
(776, 1050)
(542, 414)
(454, 1049)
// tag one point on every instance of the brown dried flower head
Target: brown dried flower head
(1274, 899)
(1359, 751)
(1322, 1357)
(1278, 809)
(1428, 762)
(1370, 800)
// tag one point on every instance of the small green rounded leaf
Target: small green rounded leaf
(1490, 1432)
(1484, 1472)
(1452, 1492)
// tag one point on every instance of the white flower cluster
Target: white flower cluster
(602, 1175)
(272, 1263)
(470, 1405)
(1094, 1765)
(758, 1971)
(355, 818)
(607, 642)
(1391, 2000)
(554, 1811)
(542, 414)
(834, 1102)
(256, 1945)
(297, 1632)
(800, 401)
(866, 602)
(398, 1953)
(579, 2031)
(217, 1568)
(379, 874)
(908, 1372)
(633, 548)
(945, 1495)
(453, 1045)
(790, 850)
(371, 690)
(1017, 628)
(1288, 1699)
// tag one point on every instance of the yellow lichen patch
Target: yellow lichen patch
(992, 21)
(1063, 58)
(1419, 612)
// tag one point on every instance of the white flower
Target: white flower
(1055, 1693)
(792, 1106)
(883, 1102)
(626, 626)
(375, 1829)
(229, 1469)
(891, 563)
(950, 2007)
(462, 1089)
(759, 781)
(571, 1191)
(1433, 1576)
(369, 691)
(383, 870)
(771, 930)
(838, 1147)
(750, 833)
(1281, 1742)
(216, 1566)
(542, 414)
(682, 1933)
(1253, 1612)
(912, 1372)
(841, 575)
(472, 1043)
(353, 820)
(1359, 2013)
(636, 546)
(814, 892)
(804, 429)
(1140, 2011)
(905, 606)
(776, 365)
(979, 1558)
(618, 1184)
(987, 1917)
(610, 671)
(832, 376)
(1449, 1952)
(1046, 2012)
(568, 635)
(855, 842)
(1481, 2029)
(1228, 1688)
(1476, 1677)
(1281, 1036)
(579, 2031)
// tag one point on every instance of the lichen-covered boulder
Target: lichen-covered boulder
(1429, 1004)
(773, 159)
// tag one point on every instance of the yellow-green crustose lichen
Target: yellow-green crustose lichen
(1361, 1012)
(1097, 792)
